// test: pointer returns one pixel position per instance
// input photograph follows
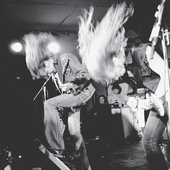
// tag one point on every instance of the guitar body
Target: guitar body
(160, 66)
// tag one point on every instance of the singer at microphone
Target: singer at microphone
(63, 69)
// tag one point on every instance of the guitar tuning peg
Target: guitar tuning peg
(156, 14)
(158, 7)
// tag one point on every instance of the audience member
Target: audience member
(101, 113)
(115, 98)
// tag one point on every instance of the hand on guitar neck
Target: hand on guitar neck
(151, 101)
(157, 103)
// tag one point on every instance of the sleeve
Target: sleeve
(140, 59)
(73, 71)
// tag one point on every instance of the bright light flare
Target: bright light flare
(17, 47)
(54, 47)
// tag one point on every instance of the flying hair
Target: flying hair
(37, 52)
(101, 47)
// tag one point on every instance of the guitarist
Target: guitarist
(73, 82)
(107, 56)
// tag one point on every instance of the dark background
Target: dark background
(60, 17)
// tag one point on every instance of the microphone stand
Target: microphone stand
(42, 87)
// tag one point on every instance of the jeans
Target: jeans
(151, 140)
(54, 126)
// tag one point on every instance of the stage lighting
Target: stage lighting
(54, 47)
(16, 47)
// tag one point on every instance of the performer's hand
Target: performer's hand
(157, 103)
(151, 101)
(66, 87)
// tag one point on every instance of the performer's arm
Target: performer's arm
(153, 100)
(157, 65)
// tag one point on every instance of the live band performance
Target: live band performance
(85, 85)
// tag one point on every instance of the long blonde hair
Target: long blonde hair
(102, 47)
(37, 52)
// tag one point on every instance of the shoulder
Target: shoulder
(68, 57)
(63, 56)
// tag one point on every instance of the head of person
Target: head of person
(39, 58)
(101, 100)
(116, 88)
(102, 47)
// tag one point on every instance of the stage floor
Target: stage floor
(127, 156)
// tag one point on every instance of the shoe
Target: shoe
(76, 154)
(71, 155)
(67, 162)
(58, 154)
